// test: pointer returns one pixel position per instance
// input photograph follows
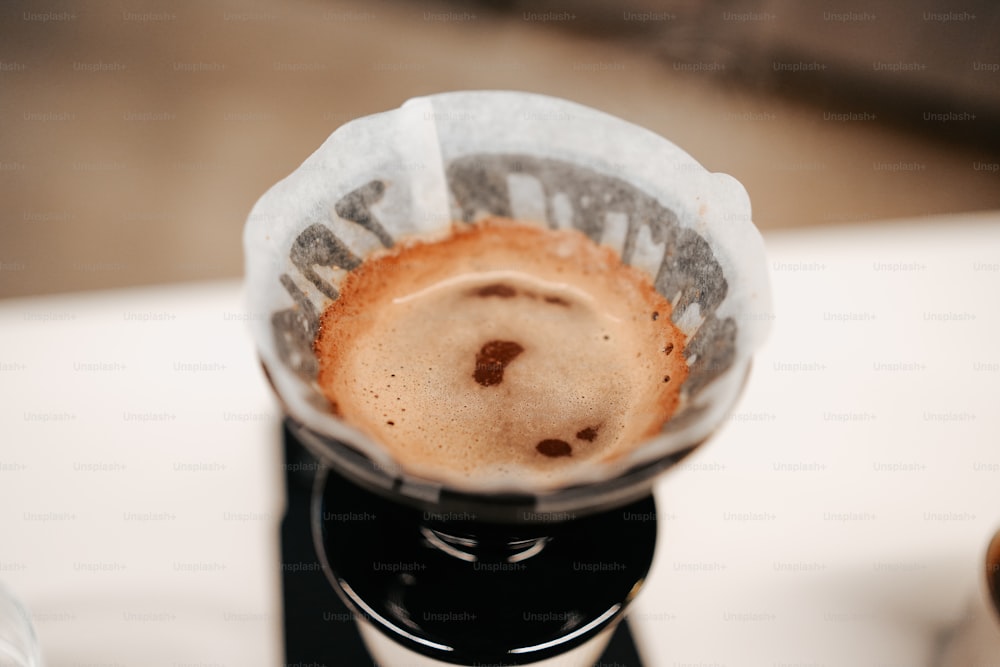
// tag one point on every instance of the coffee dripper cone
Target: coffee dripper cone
(462, 156)
(413, 172)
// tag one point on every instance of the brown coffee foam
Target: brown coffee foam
(469, 357)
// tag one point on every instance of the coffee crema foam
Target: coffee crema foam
(502, 352)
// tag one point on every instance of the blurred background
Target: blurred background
(136, 135)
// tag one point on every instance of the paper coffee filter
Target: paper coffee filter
(465, 155)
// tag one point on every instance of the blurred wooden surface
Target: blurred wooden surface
(135, 136)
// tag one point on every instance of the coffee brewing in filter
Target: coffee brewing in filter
(411, 173)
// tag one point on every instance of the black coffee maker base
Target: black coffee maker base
(318, 628)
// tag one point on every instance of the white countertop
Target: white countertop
(835, 520)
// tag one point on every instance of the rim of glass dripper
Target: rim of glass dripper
(560, 504)
(364, 612)
(15, 611)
